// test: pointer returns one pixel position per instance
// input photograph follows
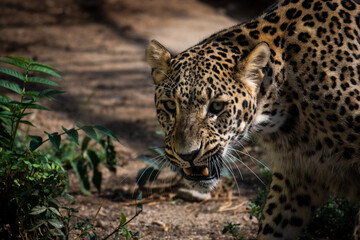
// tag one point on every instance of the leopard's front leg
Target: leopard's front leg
(289, 205)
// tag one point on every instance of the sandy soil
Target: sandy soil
(99, 48)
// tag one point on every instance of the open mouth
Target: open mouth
(201, 173)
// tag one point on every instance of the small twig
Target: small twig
(93, 226)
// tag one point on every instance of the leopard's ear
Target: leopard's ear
(250, 69)
(158, 57)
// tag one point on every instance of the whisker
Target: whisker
(249, 155)
(232, 157)
(231, 172)
(252, 171)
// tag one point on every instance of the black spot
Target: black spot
(282, 199)
(345, 16)
(329, 142)
(293, 47)
(268, 229)
(245, 104)
(252, 25)
(291, 120)
(318, 146)
(307, 4)
(255, 34)
(283, 26)
(332, 6)
(278, 219)
(241, 39)
(277, 41)
(303, 200)
(317, 6)
(292, 29)
(229, 34)
(304, 37)
(295, 221)
(348, 5)
(279, 176)
(348, 152)
(292, 13)
(321, 17)
(277, 188)
(272, 18)
(351, 138)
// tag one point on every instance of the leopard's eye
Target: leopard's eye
(216, 107)
(170, 106)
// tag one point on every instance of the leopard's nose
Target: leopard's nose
(189, 157)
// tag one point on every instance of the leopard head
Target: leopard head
(205, 103)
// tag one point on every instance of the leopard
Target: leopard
(289, 78)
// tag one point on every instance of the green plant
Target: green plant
(86, 158)
(155, 165)
(233, 229)
(122, 230)
(258, 203)
(334, 220)
(88, 229)
(30, 181)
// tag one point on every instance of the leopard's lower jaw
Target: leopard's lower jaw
(202, 186)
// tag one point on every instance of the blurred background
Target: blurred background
(98, 47)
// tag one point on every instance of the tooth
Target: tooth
(205, 171)
(187, 171)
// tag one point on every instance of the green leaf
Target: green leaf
(35, 106)
(37, 210)
(27, 123)
(44, 65)
(6, 114)
(152, 162)
(10, 85)
(42, 81)
(37, 225)
(106, 132)
(157, 151)
(97, 175)
(123, 219)
(72, 133)
(4, 132)
(89, 130)
(12, 73)
(49, 92)
(97, 179)
(81, 172)
(37, 68)
(95, 160)
(85, 143)
(4, 99)
(145, 175)
(20, 59)
(55, 139)
(35, 142)
(54, 210)
(162, 133)
(55, 202)
(56, 223)
(139, 197)
(15, 63)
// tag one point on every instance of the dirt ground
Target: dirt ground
(98, 46)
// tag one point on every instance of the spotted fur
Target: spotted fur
(289, 77)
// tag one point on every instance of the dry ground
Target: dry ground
(99, 48)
